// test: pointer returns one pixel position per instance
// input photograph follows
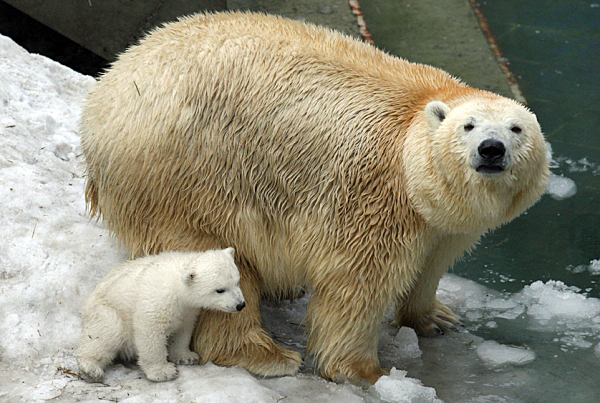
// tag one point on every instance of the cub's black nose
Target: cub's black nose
(241, 306)
(491, 150)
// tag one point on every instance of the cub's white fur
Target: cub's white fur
(147, 304)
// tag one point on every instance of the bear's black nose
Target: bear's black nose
(240, 306)
(491, 150)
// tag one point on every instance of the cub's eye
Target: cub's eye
(516, 129)
(220, 291)
(468, 127)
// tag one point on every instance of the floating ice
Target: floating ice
(594, 267)
(554, 300)
(497, 355)
(581, 165)
(551, 307)
(561, 187)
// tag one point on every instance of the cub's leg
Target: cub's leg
(151, 344)
(179, 349)
(102, 337)
(239, 339)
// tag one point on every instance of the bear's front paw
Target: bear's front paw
(184, 357)
(162, 373)
(435, 322)
(91, 368)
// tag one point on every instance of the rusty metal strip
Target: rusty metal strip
(360, 20)
(502, 61)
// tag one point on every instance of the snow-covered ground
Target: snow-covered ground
(52, 256)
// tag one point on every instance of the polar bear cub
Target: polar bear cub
(148, 308)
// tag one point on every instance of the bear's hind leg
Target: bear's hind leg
(150, 339)
(102, 338)
(238, 339)
(344, 330)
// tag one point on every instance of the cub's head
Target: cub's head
(475, 163)
(212, 281)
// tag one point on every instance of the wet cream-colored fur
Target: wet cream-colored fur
(324, 161)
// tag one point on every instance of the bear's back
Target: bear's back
(270, 119)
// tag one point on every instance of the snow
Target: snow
(52, 256)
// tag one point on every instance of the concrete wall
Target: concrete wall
(106, 27)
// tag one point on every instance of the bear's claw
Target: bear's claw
(184, 358)
(438, 321)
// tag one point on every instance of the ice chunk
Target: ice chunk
(50, 389)
(560, 187)
(496, 355)
(397, 388)
(549, 155)
(555, 300)
(594, 267)
(408, 343)
(597, 350)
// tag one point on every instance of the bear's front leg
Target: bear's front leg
(419, 308)
(179, 349)
(345, 320)
(150, 338)
(427, 319)
(238, 339)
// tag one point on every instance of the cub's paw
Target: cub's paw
(162, 373)
(91, 368)
(184, 357)
(436, 322)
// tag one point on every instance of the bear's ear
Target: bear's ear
(230, 251)
(188, 276)
(435, 113)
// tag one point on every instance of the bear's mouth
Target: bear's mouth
(489, 168)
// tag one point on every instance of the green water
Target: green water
(554, 51)
(553, 48)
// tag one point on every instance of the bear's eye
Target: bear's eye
(516, 129)
(468, 127)
(220, 291)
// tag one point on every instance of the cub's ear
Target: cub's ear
(189, 276)
(230, 251)
(435, 113)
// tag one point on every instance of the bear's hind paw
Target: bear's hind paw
(91, 368)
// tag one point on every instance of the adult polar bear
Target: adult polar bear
(324, 161)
